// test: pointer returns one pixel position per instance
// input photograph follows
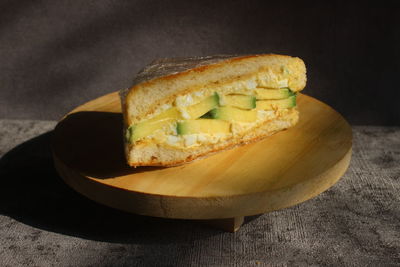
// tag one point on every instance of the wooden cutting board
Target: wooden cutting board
(280, 171)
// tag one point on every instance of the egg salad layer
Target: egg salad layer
(208, 117)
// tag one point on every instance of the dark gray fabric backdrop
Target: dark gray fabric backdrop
(55, 55)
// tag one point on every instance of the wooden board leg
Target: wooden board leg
(229, 224)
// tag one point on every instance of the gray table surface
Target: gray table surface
(45, 223)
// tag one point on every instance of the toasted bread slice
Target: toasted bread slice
(167, 119)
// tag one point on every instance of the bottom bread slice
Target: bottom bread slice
(162, 155)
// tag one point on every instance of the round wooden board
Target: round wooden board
(282, 170)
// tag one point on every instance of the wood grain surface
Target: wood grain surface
(280, 171)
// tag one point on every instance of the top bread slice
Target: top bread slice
(144, 99)
(158, 90)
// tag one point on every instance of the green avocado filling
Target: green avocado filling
(212, 116)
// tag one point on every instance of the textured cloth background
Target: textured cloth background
(56, 55)
(45, 223)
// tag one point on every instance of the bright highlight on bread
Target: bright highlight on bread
(177, 118)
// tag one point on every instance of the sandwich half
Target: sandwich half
(216, 105)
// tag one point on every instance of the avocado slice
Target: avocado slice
(201, 108)
(234, 114)
(289, 102)
(262, 93)
(240, 101)
(172, 113)
(141, 130)
(146, 128)
(207, 126)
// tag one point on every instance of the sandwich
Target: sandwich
(219, 104)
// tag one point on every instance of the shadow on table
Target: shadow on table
(32, 192)
(92, 142)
